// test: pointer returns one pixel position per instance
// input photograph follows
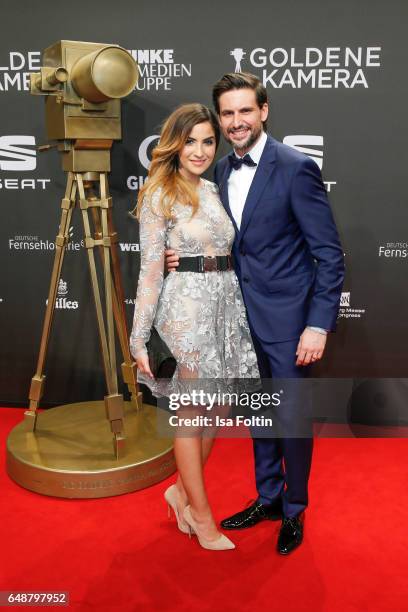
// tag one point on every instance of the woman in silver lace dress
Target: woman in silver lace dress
(200, 315)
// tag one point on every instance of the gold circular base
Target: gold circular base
(71, 453)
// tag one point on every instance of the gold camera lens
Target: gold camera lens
(102, 75)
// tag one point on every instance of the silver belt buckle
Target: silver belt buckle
(210, 263)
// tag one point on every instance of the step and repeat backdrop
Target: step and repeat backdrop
(335, 74)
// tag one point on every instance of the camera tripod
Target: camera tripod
(90, 191)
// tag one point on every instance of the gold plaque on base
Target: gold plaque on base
(70, 454)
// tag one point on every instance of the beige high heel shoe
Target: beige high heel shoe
(170, 495)
(221, 543)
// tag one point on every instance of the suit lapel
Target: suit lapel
(262, 175)
(223, 186)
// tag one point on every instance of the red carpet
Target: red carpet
(122, 553)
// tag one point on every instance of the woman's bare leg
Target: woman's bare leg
(207, 441)
(191, 454)
(206, 446)
(189, 459)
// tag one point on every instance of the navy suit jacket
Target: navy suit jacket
(287, 253)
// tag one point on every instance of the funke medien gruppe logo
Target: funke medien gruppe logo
(159, 69)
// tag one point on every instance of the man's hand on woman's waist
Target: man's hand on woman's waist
(172, 260)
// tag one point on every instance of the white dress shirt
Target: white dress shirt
(239, 181)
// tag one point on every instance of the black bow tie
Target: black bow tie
(236, 162)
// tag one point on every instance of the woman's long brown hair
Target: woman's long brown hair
(164, 169)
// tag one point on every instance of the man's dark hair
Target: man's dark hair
(239, 80)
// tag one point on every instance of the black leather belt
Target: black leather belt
(205, 263)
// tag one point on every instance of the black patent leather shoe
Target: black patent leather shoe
(252, 515)
(290, 535)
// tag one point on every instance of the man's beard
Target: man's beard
(247, 144)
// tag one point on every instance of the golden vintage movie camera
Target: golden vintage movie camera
(83, 84)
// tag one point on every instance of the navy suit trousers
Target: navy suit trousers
(283, 455)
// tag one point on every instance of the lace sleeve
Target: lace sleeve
(153, 227)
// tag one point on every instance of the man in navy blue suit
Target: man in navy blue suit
(289, 263)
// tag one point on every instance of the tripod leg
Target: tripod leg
(129, 368)
(37, 382)
(113, 401)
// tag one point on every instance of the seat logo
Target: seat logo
(15, 157)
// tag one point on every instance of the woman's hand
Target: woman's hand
(143, 366)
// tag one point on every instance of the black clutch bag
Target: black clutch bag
(161, 360)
